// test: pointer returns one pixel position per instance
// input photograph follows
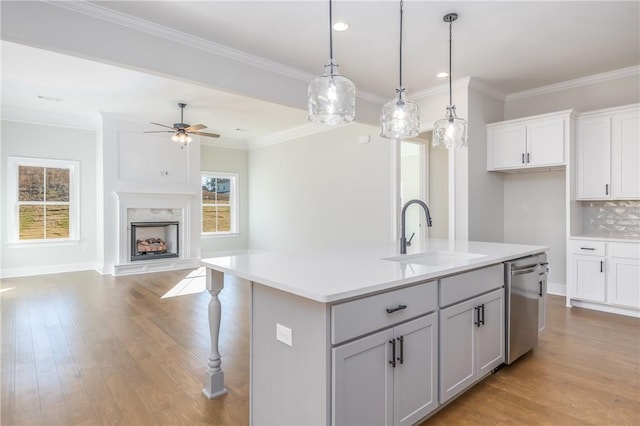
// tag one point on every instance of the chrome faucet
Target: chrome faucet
(403, 238)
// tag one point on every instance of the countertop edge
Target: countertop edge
(339, 297)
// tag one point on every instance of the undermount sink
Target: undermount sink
(435, 258)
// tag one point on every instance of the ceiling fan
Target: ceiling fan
(182, 131)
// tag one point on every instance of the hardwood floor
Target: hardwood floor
(80, 348)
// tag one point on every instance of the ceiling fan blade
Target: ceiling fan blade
(160, 131)
(209, 135)
(195, 127)
(168, 127)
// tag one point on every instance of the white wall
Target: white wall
(216, 159)
(486, 192)
(50, 142)
(534, 213)
(433, 108)
(591, 97)
(321, 191)
(438, 190)
(133, 163)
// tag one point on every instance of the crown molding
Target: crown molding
(486, 89)
(578, 82)
(441, 88)
(289, 134)
(157, 30)
(72, 121)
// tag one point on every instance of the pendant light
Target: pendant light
(400, 117)
(332, 97)
(451, 131)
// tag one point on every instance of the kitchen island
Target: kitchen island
(362, 334)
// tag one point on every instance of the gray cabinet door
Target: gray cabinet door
(457, 349)
(363, 381)
(415, 379)
(490, 335)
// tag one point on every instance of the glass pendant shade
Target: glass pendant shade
(400, 118)
(332, 98)
(450, 132)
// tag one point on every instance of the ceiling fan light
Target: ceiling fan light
(332, 98)
(181, 138)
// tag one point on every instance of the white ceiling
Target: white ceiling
(509, 46)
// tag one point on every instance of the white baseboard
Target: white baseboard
(557, 289)
(46, 269)
(146, 266)
(620, 310)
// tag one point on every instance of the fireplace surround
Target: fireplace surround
(182, 251)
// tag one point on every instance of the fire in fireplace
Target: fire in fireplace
(154, 240)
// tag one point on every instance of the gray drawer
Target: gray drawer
(362, 316)
(464, 286)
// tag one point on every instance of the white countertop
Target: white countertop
(598, 237)
(333, 275)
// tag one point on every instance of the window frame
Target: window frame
(13, 203)
(233, 204)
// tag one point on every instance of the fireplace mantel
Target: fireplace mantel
(154, 207)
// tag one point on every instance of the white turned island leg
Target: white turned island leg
(214, 379)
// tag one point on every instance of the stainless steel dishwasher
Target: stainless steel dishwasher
(526, 285)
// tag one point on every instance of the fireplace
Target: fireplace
(154, 240)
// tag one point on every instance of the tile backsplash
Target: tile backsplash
(618, 219)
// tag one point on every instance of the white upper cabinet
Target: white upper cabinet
(608, 154)
(625, 154)
(529, 143)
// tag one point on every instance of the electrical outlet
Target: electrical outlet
(284, 335)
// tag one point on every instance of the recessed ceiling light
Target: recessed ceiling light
(442, 74)
(341, 26)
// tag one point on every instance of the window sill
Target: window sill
(220, 235)
(41, 243)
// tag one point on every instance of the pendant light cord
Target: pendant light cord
(400, 88)
(331, 36)
(450, 95)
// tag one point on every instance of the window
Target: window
(44, 199)
(219, 203)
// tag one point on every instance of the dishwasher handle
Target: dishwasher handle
(524, 271)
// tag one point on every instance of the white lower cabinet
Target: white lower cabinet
(589, 282)
(387, 378)
(472, 342)
(623, 282)
(608, 276)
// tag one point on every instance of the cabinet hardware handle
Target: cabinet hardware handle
(587, 248)
(482, 308)
(398, 308)
(523, 158)
(601, 266)
(606, 189)
(540, 292)
(393, 353)
(477, 321)
(401, 357)
(528, 157)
